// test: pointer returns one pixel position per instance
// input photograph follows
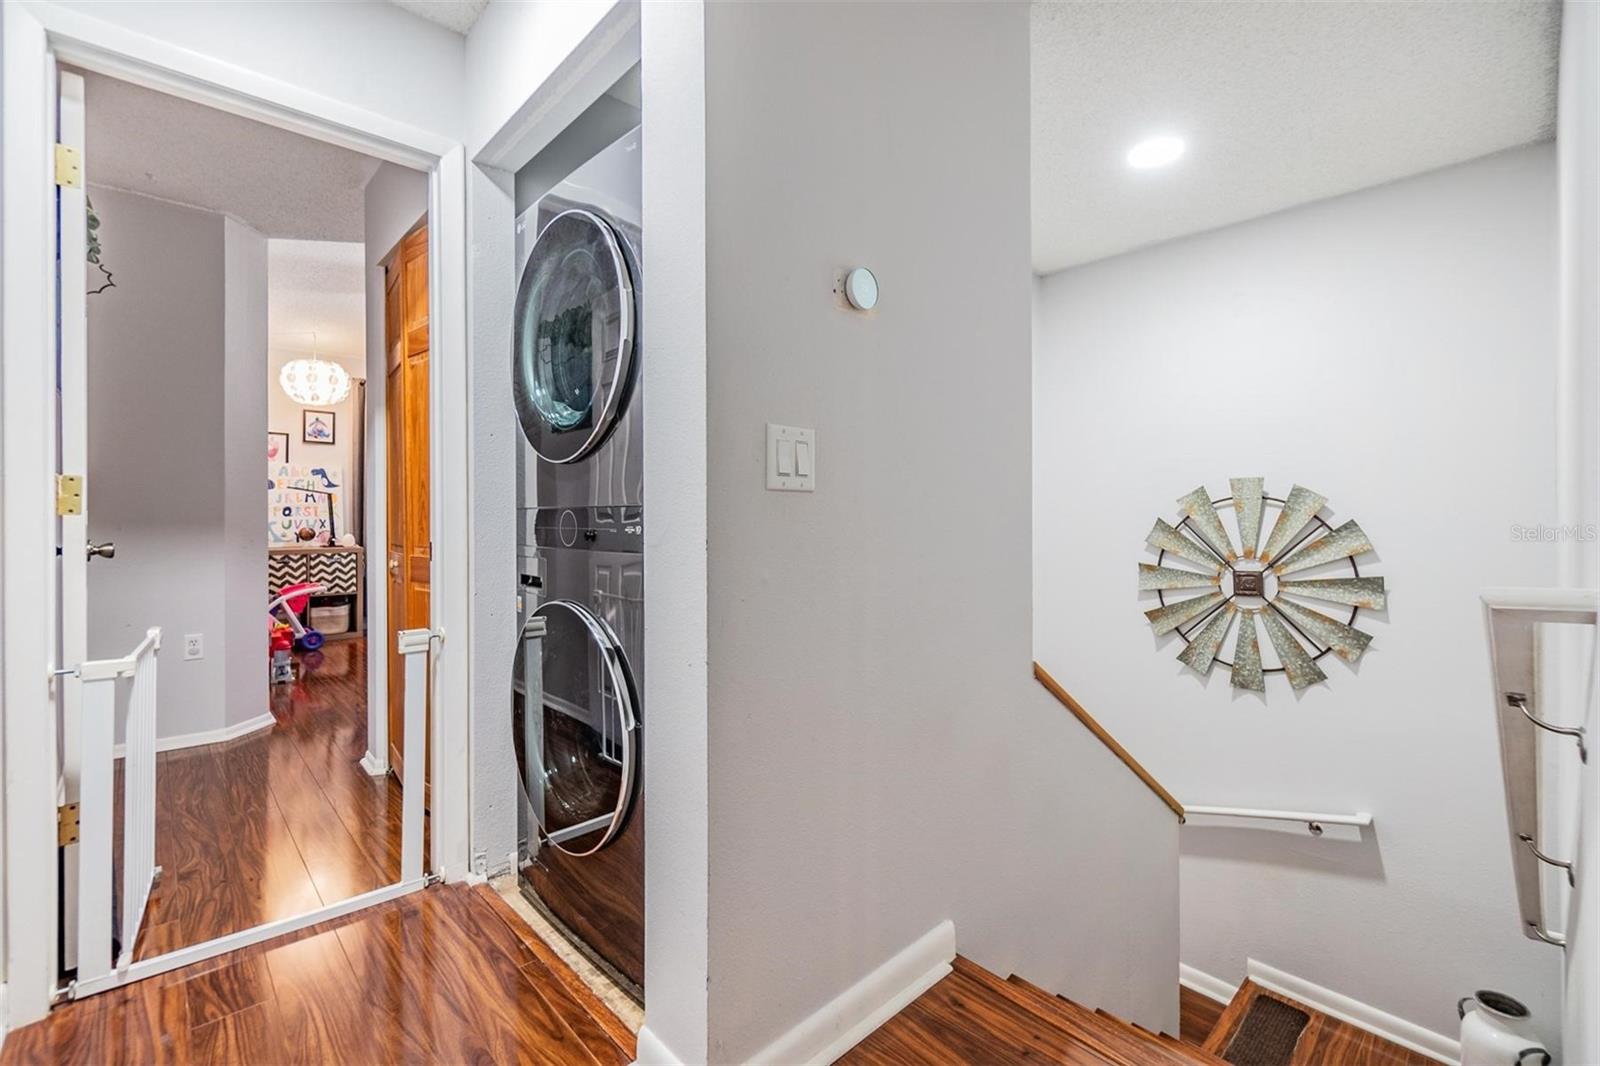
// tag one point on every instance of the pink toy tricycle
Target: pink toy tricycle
(292, 600)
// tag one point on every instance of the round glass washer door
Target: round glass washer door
(576, 734)
(572, 354)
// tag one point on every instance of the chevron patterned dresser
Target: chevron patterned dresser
(341, 569)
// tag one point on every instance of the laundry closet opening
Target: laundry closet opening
(577, 716)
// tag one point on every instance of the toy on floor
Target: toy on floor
(280, 642)
(287, 630)
(292, 600)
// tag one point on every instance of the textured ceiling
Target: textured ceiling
(458, 15)
(1281, 103)
(317, 287)
(279, 183)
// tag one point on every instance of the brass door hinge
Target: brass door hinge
(69, 166)
(69, 494)
(66, 824)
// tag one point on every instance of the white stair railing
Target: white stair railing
(1514, 619)
(97, 813)
(1314, 820)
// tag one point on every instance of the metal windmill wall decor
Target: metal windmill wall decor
(1221, 583)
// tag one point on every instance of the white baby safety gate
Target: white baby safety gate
(108, 696)
(107, 700)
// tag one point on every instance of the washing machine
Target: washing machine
(577, 718)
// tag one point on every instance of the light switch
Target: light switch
(791, 458)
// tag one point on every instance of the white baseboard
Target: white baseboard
(652, 1052)
(1205, 984)
(373, 765)
(1361, 1015)
(209, 736)
(844, 1021)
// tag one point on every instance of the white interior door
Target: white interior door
(72, 427)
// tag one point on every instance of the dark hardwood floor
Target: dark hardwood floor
(1197, 1015)
(276, 823)
(446, 975)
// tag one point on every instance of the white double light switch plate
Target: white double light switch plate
(791, 458)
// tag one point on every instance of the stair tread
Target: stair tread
(1128, 1045)
(997, 1017)
(1193, 1053)
(1232, 1015)
(1133, 1029)
(1016, 996)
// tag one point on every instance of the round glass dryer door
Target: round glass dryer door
(572, 355)
(575, 729)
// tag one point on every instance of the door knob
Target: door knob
(108, 550)
(394, 566)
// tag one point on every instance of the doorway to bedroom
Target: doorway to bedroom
(247, 282)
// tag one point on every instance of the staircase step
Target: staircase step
(1232, 1015)
(1018, 997)
(1123, 1042)
(1170, 1040)
(972, 1016)
(1010, 1028)
(1139, 1032)
(1189, 1051)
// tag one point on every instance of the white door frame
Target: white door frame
(35, 36)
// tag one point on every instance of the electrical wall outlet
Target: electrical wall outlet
(194, 646)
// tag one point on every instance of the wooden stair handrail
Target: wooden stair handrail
(1054, 688)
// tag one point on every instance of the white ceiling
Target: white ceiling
(277, 182)
(458, 15)
(317, 287)
(1281, 103)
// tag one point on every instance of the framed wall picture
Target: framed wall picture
(316, 426)
(277, 447)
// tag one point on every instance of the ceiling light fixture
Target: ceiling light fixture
(314, 382)
(1155, 152)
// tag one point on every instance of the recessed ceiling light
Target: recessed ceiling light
(1155, 152)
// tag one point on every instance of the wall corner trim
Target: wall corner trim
(652, 1052)
(1205, 984)
(844, 1021)
(1361, 1015)
(261, 721)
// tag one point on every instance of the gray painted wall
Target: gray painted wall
(174, 358)
(1579, 166)
(1368, 347)
(880, 756)
(674, 372)
(365, 53)
(497, 439)
(245, 385)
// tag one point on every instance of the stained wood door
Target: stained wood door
(410, 548)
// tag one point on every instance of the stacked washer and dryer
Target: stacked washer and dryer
(579, 670)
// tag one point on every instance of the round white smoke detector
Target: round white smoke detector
(861, 289)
